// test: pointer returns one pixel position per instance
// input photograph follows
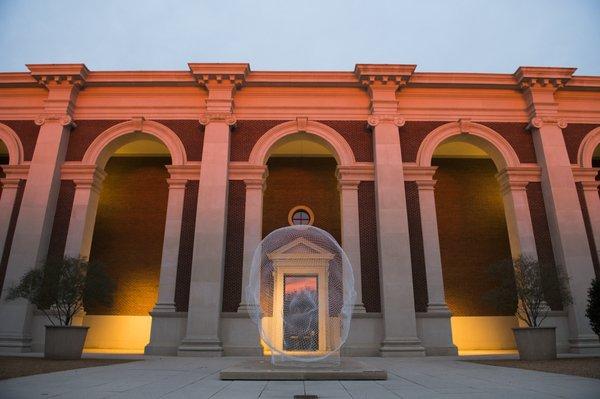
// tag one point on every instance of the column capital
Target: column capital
(256, 184)
(189, 171)
(517, 178)
(540, 121)
(375, 120)
(587, 175)
(426, 184)
(84, 176)
(357, 172)
(177, 184)
(418, 173)
(18, 172)
(8, 183)
(64, 119)
(223, 117)
(247, 171)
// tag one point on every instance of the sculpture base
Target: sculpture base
(263, 370)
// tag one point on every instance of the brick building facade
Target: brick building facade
(171, 179)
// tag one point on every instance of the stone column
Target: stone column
(587, 179)
(398, 308)
(34, 223)
(348, 188)
(206, 286)
(253, 214)
(513, 183)
(88, 183)
(10, 185)
(436, 300)
(565, 219)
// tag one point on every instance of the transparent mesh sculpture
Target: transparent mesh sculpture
(301, 295)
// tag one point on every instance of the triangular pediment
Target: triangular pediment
(302, 248)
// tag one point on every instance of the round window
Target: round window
(301, 215)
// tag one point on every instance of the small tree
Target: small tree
(64, 286)
(593, 306)
(530, 281)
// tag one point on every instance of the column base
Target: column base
(168, 327)
(402, 347)
(359, 308)
(439, 309)
(585, 344)
(163, 307)
(15, 343)
(200, 347)
(246, 308)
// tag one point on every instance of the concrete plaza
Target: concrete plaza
(172, 377)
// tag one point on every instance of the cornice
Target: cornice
(207, 73)
(543, 76)
(398, 74)
(75, 74)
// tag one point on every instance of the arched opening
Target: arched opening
(302, 184)
(473, 237)
(128, 238)
(4, 159)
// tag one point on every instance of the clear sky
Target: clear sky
(437, 35)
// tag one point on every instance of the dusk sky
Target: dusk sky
(440, 35)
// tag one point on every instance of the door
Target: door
(300, 313)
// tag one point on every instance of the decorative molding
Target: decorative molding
(539, 121)
(219, 73)
(338, 145)
(247, 171)
(13, 144)
(84, 176)
(588, 145)
(215, 117)
(375, 120)
(64, 120)
(517, 178)
(486, 138)
(360, 171)
(15, 172)
(118, 135)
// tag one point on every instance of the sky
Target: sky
(437, 35)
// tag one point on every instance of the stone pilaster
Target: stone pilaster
(88, 183)
(10, 185)
(565, 219)
(206, 286)
(34, 224)
(400, 329)
(587, 178)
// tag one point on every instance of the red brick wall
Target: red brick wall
(369, 255)
(28, 133)
(186, 247)
(129, 230)
(11, 231)
(234, 246)
(574, 134)
(543, 241)
(190, 132)
(358, 136)
(62, 216)
(302, 181)
(472, 232)
(417, 255)
(412, 135)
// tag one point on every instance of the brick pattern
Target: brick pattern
(588, 228)
(129, 230)
(302, 181)
(245, 134)
(11, 231)
(191, 134)
(417, 254)
(369, 255)
(358, 136)
(574, 134)
(412, 135)
(62, 217)
(518, 137)
(473, 233)
(84, 134)
(186, 247)
(234, 246)
(543, 241)
(28, 133)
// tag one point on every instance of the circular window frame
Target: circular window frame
(304, 208)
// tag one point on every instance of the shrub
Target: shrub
(593, 306)
(64, 286)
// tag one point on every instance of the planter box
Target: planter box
(536, 343)
(64, 342)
